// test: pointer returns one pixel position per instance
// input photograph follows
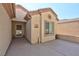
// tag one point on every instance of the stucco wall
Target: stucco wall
(37, 34)
(68, 28)
(5, 30)
(28, 30)
(46, 18)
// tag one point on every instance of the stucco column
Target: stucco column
(40, 25)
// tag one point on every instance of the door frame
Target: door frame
(16, 29)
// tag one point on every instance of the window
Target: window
(49, 27)
(19, 31)
(18, 27)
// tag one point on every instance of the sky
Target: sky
(63, 10)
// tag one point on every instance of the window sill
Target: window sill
(49, 34)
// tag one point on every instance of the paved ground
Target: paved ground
(21, 47)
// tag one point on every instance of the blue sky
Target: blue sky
(63, 10)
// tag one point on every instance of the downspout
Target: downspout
(40, 26)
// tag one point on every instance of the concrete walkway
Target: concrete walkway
(20, 47)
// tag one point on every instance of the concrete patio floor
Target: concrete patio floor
(20, 47)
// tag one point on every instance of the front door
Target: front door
(19, 30)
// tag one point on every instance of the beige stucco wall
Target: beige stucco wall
(28, 31)
(37, 34)
(5, 30)
(14, 23)
(68, 28)
(68, 31)
(45, 18)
